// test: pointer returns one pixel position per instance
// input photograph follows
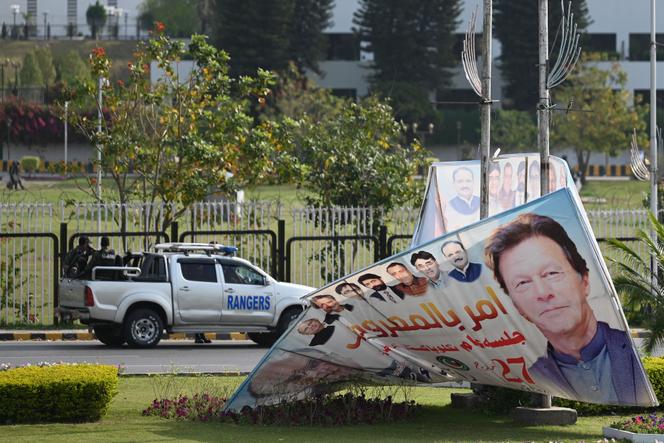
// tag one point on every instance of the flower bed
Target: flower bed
(327, 410)
(641, 429)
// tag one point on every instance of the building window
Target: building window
(599, 42)
(639, 47)
(343, 47)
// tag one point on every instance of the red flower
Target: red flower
(98, 52)
(159, 26)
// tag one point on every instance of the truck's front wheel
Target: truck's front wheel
(142, 328)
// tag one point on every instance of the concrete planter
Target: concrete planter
(631, 436)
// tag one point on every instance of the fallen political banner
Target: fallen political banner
(521, 300)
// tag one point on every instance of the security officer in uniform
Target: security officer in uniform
(103, 257)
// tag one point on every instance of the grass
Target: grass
(437, 421)
(627, 194)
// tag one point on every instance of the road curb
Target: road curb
(85, 335)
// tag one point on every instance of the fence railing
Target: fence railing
(310, 246)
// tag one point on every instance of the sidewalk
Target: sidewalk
(83, 334)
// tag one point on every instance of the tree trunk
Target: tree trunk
(582, 161)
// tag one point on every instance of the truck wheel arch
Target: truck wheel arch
(147, 305)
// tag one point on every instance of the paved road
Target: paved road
(169, 355)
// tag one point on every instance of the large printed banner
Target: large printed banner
(452, 198)
(520, 300)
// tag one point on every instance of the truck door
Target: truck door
(197, 291)
(248, 296)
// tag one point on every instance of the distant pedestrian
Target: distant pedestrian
(15, 177)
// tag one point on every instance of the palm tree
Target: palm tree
(643, 291)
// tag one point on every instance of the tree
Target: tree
(411, 42)
(256, 33)
(603, 114)
(45, 60)
(96, 18)
(269, 34)
(30, 73)
(357, 157)
(176, 140)
(514, 131)
(307, 41)
(642, 289)
(180, 18)
(71, 68)
(516, 26)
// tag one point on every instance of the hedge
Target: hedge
(60, 393)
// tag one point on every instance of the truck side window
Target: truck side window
(199, 271)
(153, 268)
(242, 275)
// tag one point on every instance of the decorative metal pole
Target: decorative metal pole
(485, 109)
(544, 100)
(483, 90)
(653, 113)
(543, 117)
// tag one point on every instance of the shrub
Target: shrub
(65, 393)
(654, 367)
(30, 163)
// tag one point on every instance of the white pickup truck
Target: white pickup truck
(182, 287)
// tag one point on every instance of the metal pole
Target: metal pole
(485, 109)
(544, 97)
(543, 116)
(100, 83)
(66, 135)
(653, 112)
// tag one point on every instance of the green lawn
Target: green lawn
(627, 194)
(437, 421)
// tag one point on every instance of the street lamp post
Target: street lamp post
(100, 85)
(45, 21)
(2, 77)
(66, 135)
(15, 9)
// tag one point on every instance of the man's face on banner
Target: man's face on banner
(350, 291)
(401, 273)
(494, 182)
(376, 284)
(544, 287)
(310, 327)
(328, 304)
(463, 183)
(507, 177)
(455, 253)
(428, 267)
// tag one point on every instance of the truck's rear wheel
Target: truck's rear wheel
(109, 335)
(143, 328)
(269, 338)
